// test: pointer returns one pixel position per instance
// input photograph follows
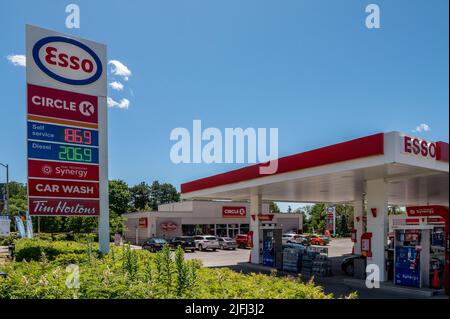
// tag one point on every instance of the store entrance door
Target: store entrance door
(233, 230)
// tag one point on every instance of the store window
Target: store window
(198, 229)
(221, 230)
(244, 229)
(233, 230)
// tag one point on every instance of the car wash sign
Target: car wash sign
(66, 124)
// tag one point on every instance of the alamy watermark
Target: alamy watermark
(73, 19)
(235, 145)
(73, 278)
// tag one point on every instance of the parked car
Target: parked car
(289, 238)
(154, 244)
(227, 243)
(203, 242)
(317, 240)
(243, 241)
(186, 242)
(325, 238)
(302, 239)
(347, 264)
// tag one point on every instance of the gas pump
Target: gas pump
(412, 255)
(271, 245)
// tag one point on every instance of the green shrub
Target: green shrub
(128, 273)
(8, 240)
(32, 249)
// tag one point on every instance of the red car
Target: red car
(317, 240)
(244, 241)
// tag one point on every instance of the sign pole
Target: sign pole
(103, 225)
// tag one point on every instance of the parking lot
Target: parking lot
(221, 258)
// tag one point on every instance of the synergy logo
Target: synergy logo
(67, 60)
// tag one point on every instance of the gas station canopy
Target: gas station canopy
(416, 173)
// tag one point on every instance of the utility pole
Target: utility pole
(7, 187)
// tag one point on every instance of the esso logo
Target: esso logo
(67, 60)
(418, 147)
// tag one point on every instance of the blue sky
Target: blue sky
(310, 68)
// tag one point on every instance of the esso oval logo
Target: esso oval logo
(67, 60)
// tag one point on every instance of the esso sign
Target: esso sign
(67, 60)
(418, 147)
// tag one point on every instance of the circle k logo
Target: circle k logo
(86, 108)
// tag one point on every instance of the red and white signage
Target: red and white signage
(61, 170)
(264, 217)
(234, 211)
(56, 188)
(425, 149)
(143, 222)
(61, 104)
(432, 210)
(169, 226)
(45, 206)
(66, 91)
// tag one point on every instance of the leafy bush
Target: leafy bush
(8, 240)
(31, 249)
(129, 273)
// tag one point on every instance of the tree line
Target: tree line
(122, 199)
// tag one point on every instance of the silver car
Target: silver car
(204, 242)
(227, 243)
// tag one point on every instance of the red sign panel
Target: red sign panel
(433, 210)
(67, 105)
(143, 222)
(265, 217)
(234, 211)
(56, 188)
(61, 170)
(169, 226)
(63, 207)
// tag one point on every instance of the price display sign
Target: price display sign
(66, 126)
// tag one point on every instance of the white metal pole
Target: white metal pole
(103, 233)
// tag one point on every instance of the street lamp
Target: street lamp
(6, 166)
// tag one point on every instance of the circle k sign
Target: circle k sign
(67, 60)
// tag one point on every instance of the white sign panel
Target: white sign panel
(65, 62)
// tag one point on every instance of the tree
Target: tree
(344, 219)
(273, 207)
(17, 197)
(162, 194)
(140, 196)
(119, 197)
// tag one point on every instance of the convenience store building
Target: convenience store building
(219, 218)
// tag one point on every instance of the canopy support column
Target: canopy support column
(255, 210)
(377, 223)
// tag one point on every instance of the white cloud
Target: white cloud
(422, 128)
(17, 59)
(116, 86)
(120, 69)
(122, 104)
